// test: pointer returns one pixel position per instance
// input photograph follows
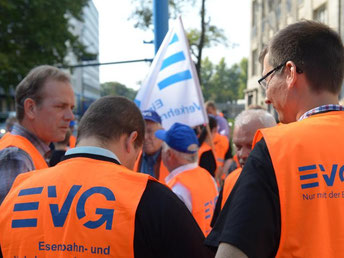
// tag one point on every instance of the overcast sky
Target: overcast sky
(120, 41)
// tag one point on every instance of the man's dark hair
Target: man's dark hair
(109, 118)
(31, 86)
(210, 104)
(315, 49)
(203, 135)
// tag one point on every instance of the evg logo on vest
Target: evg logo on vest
(310, 179)
(59, 214)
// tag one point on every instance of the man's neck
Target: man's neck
(316, 100)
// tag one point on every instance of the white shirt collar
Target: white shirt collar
(179, 170)
(93, 150)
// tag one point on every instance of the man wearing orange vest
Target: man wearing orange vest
(44, 103)
(245, 126)
(72, 138)
(149, 160)
(92, 204)
(288, 200)
(191, 183)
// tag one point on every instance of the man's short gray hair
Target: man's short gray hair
(190, 157)
(259, 115)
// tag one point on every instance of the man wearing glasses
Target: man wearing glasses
(288, 200)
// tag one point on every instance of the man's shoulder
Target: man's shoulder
(14, 153)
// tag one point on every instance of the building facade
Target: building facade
(269, 16)
(85, 80)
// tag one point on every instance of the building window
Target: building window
(289, 6)
(300, 2)
(278, 11)
(249, 100)
(254, 13)
(270, 5)
(320, 14)
(254, 62)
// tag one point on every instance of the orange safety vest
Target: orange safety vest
(236, 160)
(229, 184)
(10, 140)
(308, 162)
(160, 171)
(80, 208)
(221, 144)
(72, 141)
(203, 194)
(204, 148)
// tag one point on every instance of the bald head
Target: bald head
(246, 125)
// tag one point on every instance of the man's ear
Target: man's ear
(30, 108)
(292, 74)
(130, 141)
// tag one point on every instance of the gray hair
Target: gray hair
(189, 157)
(259, 115)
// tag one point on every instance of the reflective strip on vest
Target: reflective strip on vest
(203, 194)
(307, 157)
(80, 208)
(10, 140)
(221, 145)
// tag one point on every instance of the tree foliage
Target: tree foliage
(222, 84)
(206, 35)
(34, 33)
(117, 89)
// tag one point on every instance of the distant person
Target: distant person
(246, 125)
(10, 121)
(93, 205)
(149, 160)
(206, 153)
(72, 138)
(44, 103)
(288, 199)
(191, 183)
(223, 127)
(223, 151)
(60, 149)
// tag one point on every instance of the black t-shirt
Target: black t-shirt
(208, 162)
(164, 227)
(251, 218)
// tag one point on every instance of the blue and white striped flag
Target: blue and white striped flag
(172, 87)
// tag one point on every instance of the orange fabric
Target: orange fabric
(229, 184)
(221, 144)
(236, 159)
(203, 194)
(20, 142)
(85, 205)
(309, 171)
(159, 168)
(72, 141)
(203, 148)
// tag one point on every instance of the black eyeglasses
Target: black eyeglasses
(262, 81)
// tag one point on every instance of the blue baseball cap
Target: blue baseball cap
(151, 115)
(179, 137)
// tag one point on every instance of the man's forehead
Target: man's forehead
(266, 64)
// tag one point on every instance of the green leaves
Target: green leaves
(36, 32)
(222, 84)
(117, 89)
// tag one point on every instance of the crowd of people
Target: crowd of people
(128, 187)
